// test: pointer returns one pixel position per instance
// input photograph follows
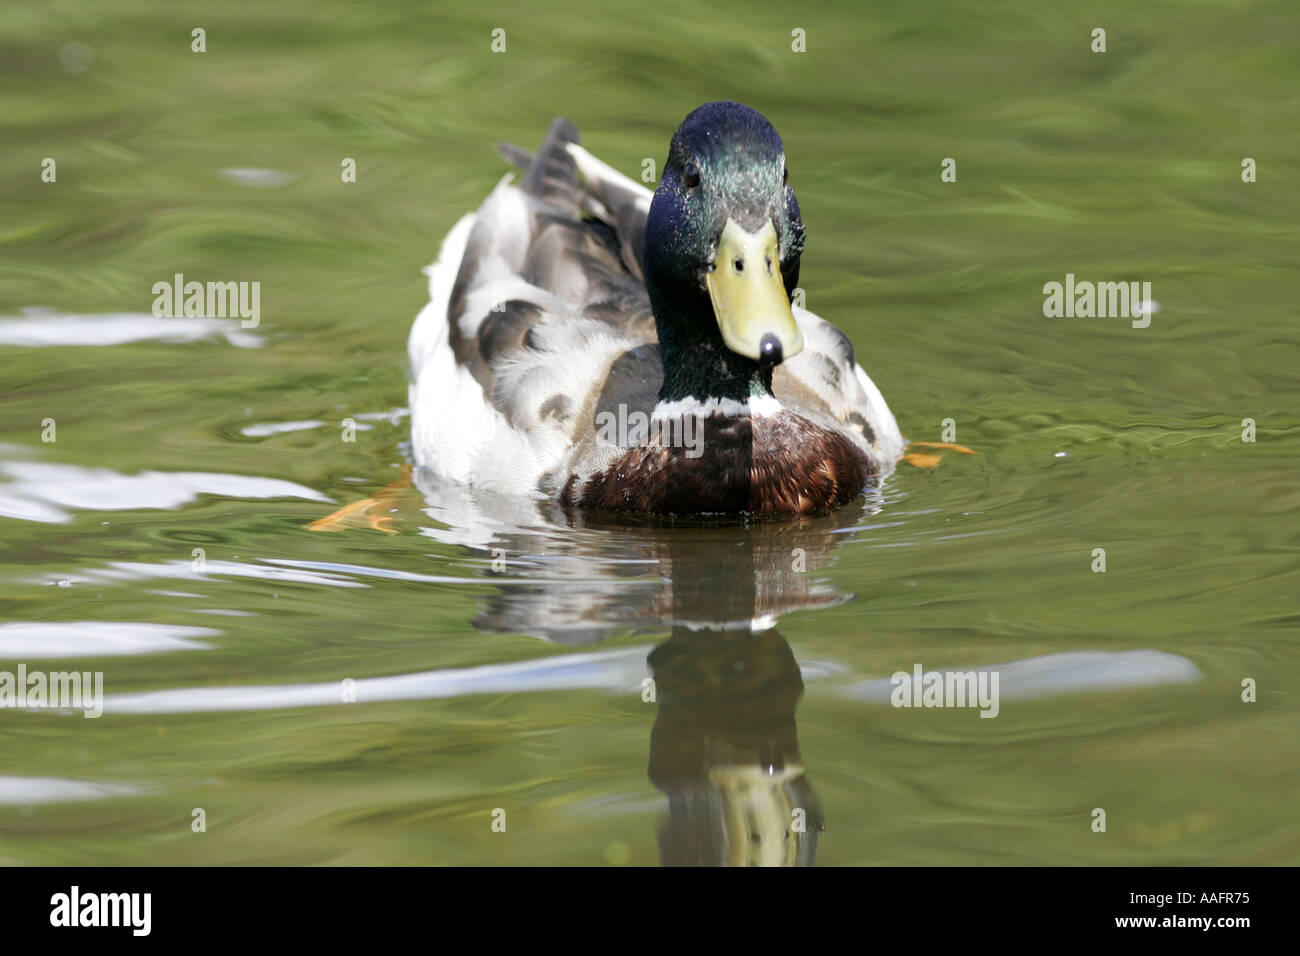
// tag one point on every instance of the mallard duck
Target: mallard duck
(613, 349)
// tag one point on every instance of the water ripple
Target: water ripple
(49, 492)
(40, 327)
(31, 639)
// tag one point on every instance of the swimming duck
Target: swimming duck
(613, 349)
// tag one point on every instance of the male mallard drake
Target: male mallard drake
(564, 310)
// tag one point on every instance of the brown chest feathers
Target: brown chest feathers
(783, 464)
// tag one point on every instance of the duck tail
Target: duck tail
(551, 175)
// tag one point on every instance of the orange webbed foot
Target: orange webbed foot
(363, 513)
(918, 459)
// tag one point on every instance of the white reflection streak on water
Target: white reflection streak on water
(1053, 675)
(622, 671)
(39, 328)
(25, 791)
(23, 640)
(49, 492)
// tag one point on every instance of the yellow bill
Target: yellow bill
(749, 297)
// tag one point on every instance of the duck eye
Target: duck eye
(691, 175)
(785, 175)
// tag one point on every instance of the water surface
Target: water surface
(522, 685)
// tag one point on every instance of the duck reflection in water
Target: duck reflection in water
(725, 751)
(724, 748)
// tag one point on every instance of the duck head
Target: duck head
(721, 256)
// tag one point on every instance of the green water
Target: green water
(521, 687)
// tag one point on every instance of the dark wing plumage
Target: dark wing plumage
(610, 202)
(549, 293)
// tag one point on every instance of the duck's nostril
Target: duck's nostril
(769, 347)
